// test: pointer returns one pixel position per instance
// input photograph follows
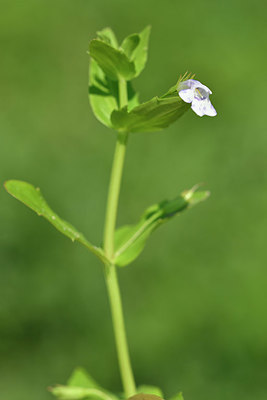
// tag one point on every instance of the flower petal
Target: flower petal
(210, 110)
(198, 106)
(187, 95)
(203, 107)
(193, 84)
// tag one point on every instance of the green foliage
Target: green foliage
(79, 393)
(104, 96)
(81, 386)
(178, 396)
(81, 378)
(225, 346)
(130, 44)
(108, 36)
(154, 115)
(126, 61)
(32, 197)
(136, 47)
(111, 63)
(103, 91)
(131, 239)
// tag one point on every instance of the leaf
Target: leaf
(32, 197)
(154, 115)
(130, 44)
(108, 36)
(131, 239)
(79, 393)
(113, 62)
(139, 55)
(133, 98)
(81, 386)
(81, 378)
(104, 96)
(146, 389)
(178, 396)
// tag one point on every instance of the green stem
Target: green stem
(119, 331)
(113, 195)
(123, 93)
(110, 269)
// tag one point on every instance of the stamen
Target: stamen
(200, 95)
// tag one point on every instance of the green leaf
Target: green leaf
(131, 239)
(79, 393)
(139, 55)
(130, 44)
(133, 98)
(32, 197)
(127, 61)
(81, 386)
(104, 96)
(113, 62)
(108, 36)
(154, 115)
(81, 378)
(178, 396)
(146, 389)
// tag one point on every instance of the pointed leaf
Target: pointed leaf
(104, 95)
(81, 378)
(32, 197)
(146, 389)
(79, 393)
(133, 98)
(130, 44)
(154, 115)
(139, 55)
(81, 386)
(131, 239)
(108, 36)
(178, 396)
(113, 62)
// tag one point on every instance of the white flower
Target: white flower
(194, 92)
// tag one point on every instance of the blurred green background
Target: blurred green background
(195, 300)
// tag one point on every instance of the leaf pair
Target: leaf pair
(32, 197)
(154, 115)
(82, 386)
(111, 63)
(125, 61)
(129, 240)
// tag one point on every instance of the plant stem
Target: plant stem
(119, 331)
(113, 195)
(110, 269)
(123, 93)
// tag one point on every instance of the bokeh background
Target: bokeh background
(195, 300)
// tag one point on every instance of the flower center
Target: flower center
(200, 94)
